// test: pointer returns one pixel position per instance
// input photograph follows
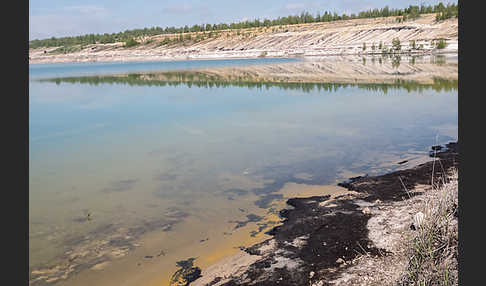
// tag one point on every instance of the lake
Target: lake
(135, 166)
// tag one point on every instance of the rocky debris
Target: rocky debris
(366, 211)
(418, 219)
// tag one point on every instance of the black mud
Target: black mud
(319, 237)
(186, 274)
(395, 185)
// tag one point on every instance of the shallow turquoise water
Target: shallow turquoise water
(117, 149)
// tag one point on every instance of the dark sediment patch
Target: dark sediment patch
(314, 238)
(99, 245)
(81, 219)
(321, 172)
(166, 177)
(176, 213)
(266, 199)
(165, 191)
(236, 192)
(164, 225)
(261, 227)
(251, 218)
(152, 205)
(321, 237)
(120, 186)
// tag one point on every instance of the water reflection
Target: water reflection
(396, 61)
(200, 79)
(308, 75)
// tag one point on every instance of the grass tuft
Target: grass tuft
(433, 250)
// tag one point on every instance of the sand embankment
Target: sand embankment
(330, 69)
(344, 37)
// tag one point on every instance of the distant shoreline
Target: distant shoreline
(358, 37)
(216, 58)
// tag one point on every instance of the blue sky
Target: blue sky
(59, 18)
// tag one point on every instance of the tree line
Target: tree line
(412, 12)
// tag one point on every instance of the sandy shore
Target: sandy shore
(373, 215)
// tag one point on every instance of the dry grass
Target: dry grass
(432, 249)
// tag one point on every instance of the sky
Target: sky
(59, 18)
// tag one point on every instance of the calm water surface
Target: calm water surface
(178, 159)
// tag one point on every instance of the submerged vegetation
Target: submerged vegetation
(412, 12)
(202, 80)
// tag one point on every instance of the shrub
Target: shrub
(165, 41)
(131, 43)
(441, 44)
(413, 45)
(396, 44)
